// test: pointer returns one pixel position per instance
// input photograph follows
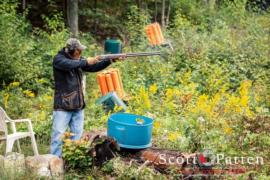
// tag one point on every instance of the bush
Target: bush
(16, 60)
(76, 153)
(212, 92)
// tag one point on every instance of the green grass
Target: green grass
(26, 147)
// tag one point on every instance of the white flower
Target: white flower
(201, 119)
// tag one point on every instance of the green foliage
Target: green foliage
(16, 47)
(123, 171)
(76, 153)
(137, 19)
(212, 92)
(20, 103)
(23, 57)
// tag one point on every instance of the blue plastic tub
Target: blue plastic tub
(130, 131)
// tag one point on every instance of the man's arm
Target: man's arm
(63, 63)
(97, 66)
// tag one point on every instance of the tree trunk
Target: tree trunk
(156, 10)
(205, 2)
(139, 3)
(65, 10)
(163, 13)
(23, 5)
(72, 17)
(96, 19)
(212, 4)
(168, 14)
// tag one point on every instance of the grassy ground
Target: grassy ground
(26, 148)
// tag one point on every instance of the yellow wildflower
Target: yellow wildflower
(14, 84)
(173, 136)
(41, 81)
(257, 98)
(145, 98)
(29, 93)
(42, 116)
(169, 94)
(68, 134)
(244, 87)
(47, 97)
(224, 88)
(232, 104)
(186, 78)
(67, 140)
(118, 108)
(216, 99)
(156, 125)
(249, 113)
(227, 129)
(214, 102)
(244, 101)
(77, 142)
(153, 89)
(202, 104)
(244, 92)
(6, 96)
(170, 105)
(202, 99)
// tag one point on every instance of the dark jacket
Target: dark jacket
(68, 80)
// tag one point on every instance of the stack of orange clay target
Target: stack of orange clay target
(109, 81)
(154, 34)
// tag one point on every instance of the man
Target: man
(68, 66)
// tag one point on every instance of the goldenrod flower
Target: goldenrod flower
(145, 98)
(6, 96)
(244, 101)
(173, 136)
(47, 97)
(41, 81)
(153, 89)
(29, 93)
(156, 125)
(227, 129)
(169, 94)
(14, 84)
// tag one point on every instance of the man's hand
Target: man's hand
(92, 60)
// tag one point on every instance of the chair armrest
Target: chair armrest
(21, 120)
(28, 121)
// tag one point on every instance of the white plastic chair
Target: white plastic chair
(11, 138)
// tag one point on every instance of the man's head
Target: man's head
(74, 48)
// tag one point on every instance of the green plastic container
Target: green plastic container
(112, 46)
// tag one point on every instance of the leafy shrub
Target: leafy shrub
(211, 93)
(76, 153)
(137, 19)
(16, 62)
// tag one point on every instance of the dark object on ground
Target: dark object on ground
(105, 151)
(188, 165)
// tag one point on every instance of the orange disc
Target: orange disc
(102, 83)
(109, 82)
(116, 83)
(159, 33)
(121, 83)
(150, 34)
